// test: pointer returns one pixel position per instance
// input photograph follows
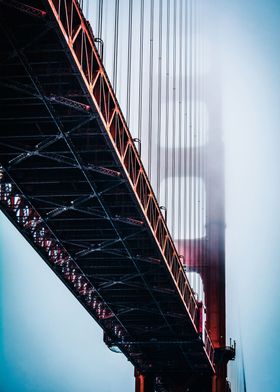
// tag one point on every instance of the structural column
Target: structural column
(143, 382)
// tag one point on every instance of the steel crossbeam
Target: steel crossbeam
(25, 8)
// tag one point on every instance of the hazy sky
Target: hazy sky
(48, 341)
(251, 96)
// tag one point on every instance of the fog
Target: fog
(250, 90)
(48, 341)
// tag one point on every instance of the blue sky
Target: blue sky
(49, 343)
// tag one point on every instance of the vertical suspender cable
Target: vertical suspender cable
(179, 209)
(140, 102)
(197, 130)
(186, 113)
(116, 45)
(173, 115)
(150, 124)
(96, 15)
(205, 122)
(159, 101)
(167, 102)
(243, 376)
(195, 139)
(207, 204)
(129, 44)
(200, 141)
(198, 138)
(87, 9)
(190, 127)
(197, 135)
(100, 18)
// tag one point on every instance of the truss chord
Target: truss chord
(105, 244)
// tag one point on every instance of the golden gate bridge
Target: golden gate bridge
(142, 251)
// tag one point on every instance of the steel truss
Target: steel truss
(68, 159)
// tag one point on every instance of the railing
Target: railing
(209, 349)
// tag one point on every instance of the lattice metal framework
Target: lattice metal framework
(73, 183)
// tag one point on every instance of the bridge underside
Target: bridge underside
(65, 189)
